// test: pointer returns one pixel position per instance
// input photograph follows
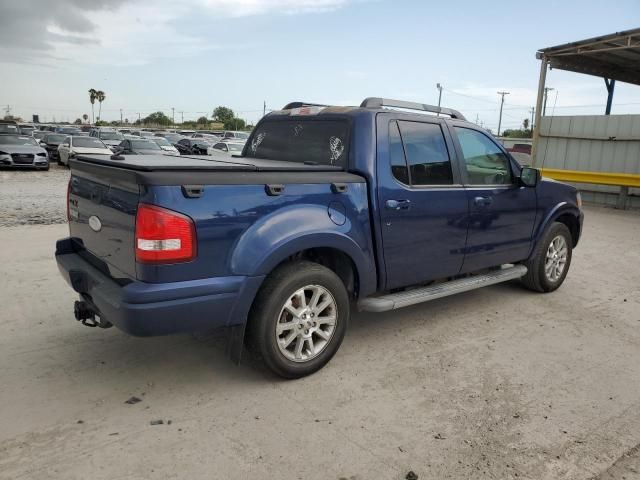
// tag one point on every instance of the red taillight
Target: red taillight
(68, 199)
(163, 236)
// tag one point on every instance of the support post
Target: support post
(538, 111)
(622, 198)
(611, 85)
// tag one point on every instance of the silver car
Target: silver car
(22, 151)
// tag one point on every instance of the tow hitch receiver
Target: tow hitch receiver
(85, 314)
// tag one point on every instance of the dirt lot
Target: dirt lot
(497, 383)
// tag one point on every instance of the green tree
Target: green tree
(235, 124)
(202, 121)
(223, 114)
(157, 118)
(85, 117)
(78, 121)
(100, 96)
(92, 98)
(525, 124)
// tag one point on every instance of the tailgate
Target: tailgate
(102, 216)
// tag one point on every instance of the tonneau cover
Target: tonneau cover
(152, 163)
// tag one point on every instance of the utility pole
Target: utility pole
(502, 94)
(439, 87)
(181, 117)
(546, 93)
(120, 116)
(7, 110)
(173, 115)
(533, 111)
(138, 117)
(264, 108)
(477, 118)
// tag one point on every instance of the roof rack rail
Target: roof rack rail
(376, 102)
(291, 105)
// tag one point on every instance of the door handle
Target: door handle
(398, 204)
(482, 201)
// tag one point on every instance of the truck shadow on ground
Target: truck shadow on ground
(111, 356)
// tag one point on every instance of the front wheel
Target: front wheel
(549, 265)
(299, 319)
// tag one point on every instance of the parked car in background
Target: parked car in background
(26, 128)
(68, 130)
(231, 148)
(140, 146)
(141, 133)
(192, 146)
(173, 138)
(9, 126)
(207, 136)
(22, 151)
(39, 134)
(77, 144)
(186, 133)
(235, 135)
(125, 131)
(165, 145)
(50, 142)
(109, 136)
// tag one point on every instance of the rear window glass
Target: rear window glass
(17, 140)
(144, 145)
(54, 138)
(323, 142)
(87, 142)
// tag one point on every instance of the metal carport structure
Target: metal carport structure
(603, 150)
(612, 57)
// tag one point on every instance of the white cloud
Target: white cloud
(240, 8)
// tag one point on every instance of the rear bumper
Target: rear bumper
(150, 309)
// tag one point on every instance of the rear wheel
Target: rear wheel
(549, 265)
(299, 319)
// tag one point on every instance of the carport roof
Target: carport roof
(615, 56)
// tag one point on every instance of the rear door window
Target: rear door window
(321, 142)
(426, 153)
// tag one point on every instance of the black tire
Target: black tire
(536, 278)
(265, 313)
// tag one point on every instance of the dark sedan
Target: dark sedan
(51, 142)
(192, 146)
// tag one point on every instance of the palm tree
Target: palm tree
(100, 96)
(85, 117)
(92, 98)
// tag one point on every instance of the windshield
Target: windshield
(87, 142)
(69, 131)
(322, 142)
(111, 136)
(161, 141)
(144, 145)
(243, 135)
(235, 148)
(54, 138)
(17, 140)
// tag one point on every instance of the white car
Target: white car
(165, 145)
(76, 144)
(228, 147)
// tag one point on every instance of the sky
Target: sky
(193, 55)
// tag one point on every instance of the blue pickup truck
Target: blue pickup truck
(328, 208)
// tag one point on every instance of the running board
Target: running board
(425, 294)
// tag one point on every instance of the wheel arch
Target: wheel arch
(564, 213)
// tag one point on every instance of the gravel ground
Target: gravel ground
(29, 197)
(498, 383)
